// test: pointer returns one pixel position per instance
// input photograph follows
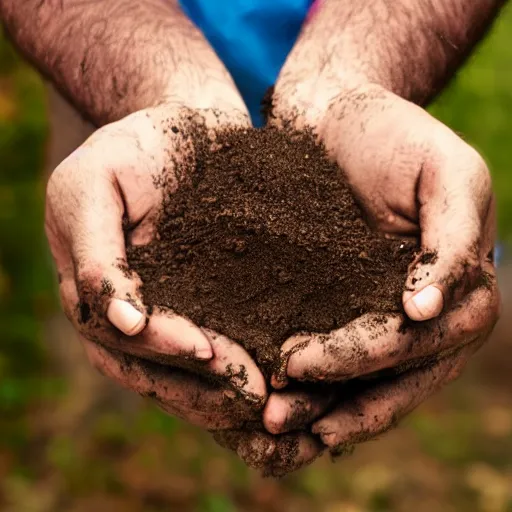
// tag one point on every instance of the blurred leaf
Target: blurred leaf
(153, 420)
(112, 431)
(61, 453)
(216, 503)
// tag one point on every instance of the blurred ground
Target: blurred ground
(71, 442)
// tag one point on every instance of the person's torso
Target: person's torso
(252, 37)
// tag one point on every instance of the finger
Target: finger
(378, 408)
(255, 448)
(374, 342)
(274, 455)
(293, 452)
(177, 392)
(163, 342)
(455, 199)
(232, 364)
(166, 338)
(295, 410)
(103, 298)
(91, 222)
(86, 202)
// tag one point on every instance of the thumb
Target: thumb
(85, 202)
(126, 317)
(456, 215)
(111, 291)
(95, 234)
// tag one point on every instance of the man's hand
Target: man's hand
(413, 176)
(353, 78)
(108, 192)
(110, 60)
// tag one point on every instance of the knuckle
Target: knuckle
(479, 177)
(471, 161)
(90, 276)
(482, 170)
(63, 180)
(55, 183)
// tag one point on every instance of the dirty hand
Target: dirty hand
(413, 176)
(272, 454)
(110, 191)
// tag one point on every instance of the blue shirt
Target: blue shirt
(252, 38)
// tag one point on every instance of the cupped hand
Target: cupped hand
(413, 176)
(106, 194)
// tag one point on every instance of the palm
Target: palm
(113, 185)
(412, 175)
(392, 158)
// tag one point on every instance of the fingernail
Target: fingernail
(203, 344)
(204, 354)
(426, 304)
(125, 317)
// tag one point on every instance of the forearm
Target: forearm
(113, 58)
(410, 48)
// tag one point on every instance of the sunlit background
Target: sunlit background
(72, 442)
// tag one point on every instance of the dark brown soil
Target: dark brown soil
(263, 239)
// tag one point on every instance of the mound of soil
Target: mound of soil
(264, 239)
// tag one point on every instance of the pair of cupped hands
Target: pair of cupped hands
(412, 176)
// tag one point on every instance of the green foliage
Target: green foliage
(25, 281)
(216, 503)
(153, 420)
(449, 439)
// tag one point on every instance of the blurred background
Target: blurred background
(71, 442)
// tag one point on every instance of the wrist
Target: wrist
(311, 102)
(222, 98)
(175, 116)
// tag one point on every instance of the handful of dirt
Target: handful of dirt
(264, 239)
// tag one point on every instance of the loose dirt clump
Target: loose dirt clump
(264, 239)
